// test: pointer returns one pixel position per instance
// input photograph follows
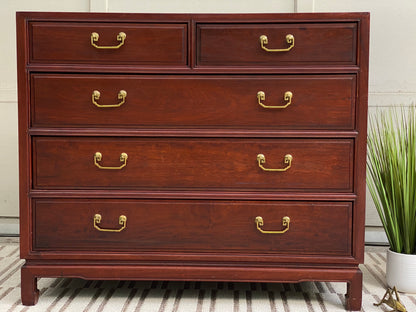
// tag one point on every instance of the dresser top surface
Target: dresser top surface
(232, 17)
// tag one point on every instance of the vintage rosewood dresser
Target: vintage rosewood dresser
(193, 147)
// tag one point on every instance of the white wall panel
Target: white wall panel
(98, 5)
(304, 6)
(9, 178)
(201, 6)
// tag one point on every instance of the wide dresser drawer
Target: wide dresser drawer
(184, 101)
(320, 228)
(109, 43)
(285, 44)
(193, 163)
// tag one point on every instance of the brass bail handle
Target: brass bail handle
(285, 223)
(290, 39)
(98, 157)
(261, 159)
(121, 37)
(122, 220)
(122, 94)
(261, 96)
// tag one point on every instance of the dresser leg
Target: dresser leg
(354, 292)
(30, 292)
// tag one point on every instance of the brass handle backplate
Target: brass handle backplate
(122, 220)
(121, 37)
(290, 39)
(98, 157)
(261, 159)
(122, 94)
(261, 96)
(285, 222)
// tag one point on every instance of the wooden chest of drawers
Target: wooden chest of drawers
(193, 147)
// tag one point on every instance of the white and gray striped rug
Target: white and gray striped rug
(113, 296)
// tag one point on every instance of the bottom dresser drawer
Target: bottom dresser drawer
(314, 228)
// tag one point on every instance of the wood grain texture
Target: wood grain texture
(212, 273)
(194, 226)
(183, 164)
(239, 45)
(148, 44)
(25, 169)
(192, 128)
(183, 101)
(361, 142)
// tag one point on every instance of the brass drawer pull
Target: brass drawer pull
(122, 220)
(98, 157)
(261, 159)
(122, 94)
(120, 37)
(290, 39)
(261, 96)
(285, 222)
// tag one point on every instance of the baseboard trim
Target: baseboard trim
(375, 236)
(9, 226)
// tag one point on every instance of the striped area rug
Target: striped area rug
(128, 296)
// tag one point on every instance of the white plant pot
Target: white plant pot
(401, 271)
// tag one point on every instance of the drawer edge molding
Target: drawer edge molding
(214, 195)
(192, 132)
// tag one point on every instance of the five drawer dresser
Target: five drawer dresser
(199, 147)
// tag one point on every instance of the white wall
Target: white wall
(392, 57)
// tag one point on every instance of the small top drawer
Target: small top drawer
(109, 43)
(276, 44)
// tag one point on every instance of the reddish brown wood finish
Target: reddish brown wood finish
(204, 273)
(30, 292)
(192, 128)
(319, 102)
(146, 44)
(193, 226)
(175, 163)
(239, 45)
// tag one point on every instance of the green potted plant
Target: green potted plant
(391, 179)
